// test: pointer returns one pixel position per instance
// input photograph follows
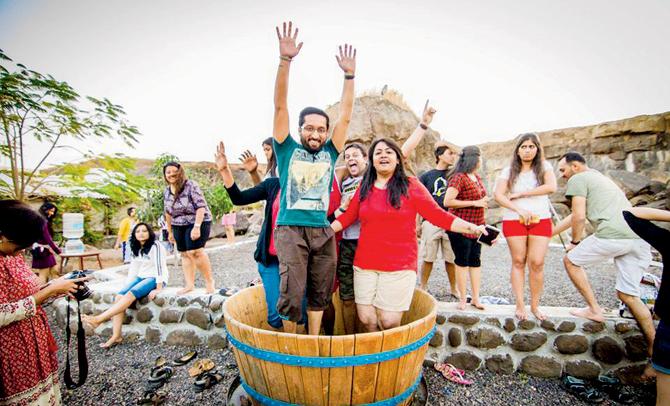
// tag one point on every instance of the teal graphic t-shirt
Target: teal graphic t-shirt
(305, 180)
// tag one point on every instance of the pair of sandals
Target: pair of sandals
(205, 374)
(453, 374)
(160, 373)
(609, 385)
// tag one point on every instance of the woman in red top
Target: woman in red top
(28, 359)
(466, 198)
(386, 204)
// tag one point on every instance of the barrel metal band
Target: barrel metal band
(264, 400)
(328, 362)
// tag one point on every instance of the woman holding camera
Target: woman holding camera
(147, 275)
(28, 360)
(523, 190)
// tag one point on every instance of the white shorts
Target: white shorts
(386, 290)
(434, 238)
(631, 257)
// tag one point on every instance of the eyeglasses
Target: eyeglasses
(309, 129)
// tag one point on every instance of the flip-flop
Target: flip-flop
(185, 359)
(207, 380)
(613, 388)
(160, 361)
(161, 374)
(200, 366)
(152, 397)
(228, 291)
(477, 306)
(442, 366)
(454, 375)
(578, 388)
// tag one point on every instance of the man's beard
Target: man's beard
(309, 149)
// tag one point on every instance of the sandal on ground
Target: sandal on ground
(614, 389)
(228, 291)
(161, 374)
(578, 388)
(185, 359)
(256, 281)
(478, 306)
(200, 366)
(453, 374)
(207, 380)
(442, 366)
(160, 361)
(152, 397)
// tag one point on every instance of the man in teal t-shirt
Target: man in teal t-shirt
(599, 200)
(304, 241)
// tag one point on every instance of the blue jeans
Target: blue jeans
(270, 277)
(139, 287)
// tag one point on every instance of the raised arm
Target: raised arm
(640, 219)
(411, 143)
(250, 164)
(287, 51)
(347, 62)
(221, 161)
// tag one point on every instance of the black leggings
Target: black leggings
(466, 250)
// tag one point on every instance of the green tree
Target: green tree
(37, 108)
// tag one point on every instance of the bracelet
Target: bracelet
(423, 126)
(285, 58)
(575, 242)
(348, 76)
(342, 210)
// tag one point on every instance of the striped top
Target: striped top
(153, 265)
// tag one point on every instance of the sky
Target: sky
(189, 74)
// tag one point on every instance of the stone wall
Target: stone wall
(562, 344)
(193, 319)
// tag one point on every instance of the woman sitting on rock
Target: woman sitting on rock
(147, 275)
(386, 203)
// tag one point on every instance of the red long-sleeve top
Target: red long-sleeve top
(388, 235)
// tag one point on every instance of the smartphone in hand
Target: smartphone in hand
(488, 239)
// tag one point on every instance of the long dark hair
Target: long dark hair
(272, 162)
(19, 223)
(397, 186)
(467, 160)
(536, 165)
(136, 247)
(181, 177)
(44, 208)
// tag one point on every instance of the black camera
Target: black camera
(83, 292)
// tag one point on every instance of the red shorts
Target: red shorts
(513, 228)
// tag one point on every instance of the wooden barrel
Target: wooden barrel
(371, 368)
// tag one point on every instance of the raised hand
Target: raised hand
(287, 40)
(347, 59)
(220, 157)
(428, 113)
(249, 161)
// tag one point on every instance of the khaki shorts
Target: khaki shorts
(434, 238)
(631, 258)
(390, 291)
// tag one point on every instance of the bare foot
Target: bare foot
(520, 313)
(649, 373)
(538, 314)
(111, 342)
(461, 306)
(90, 322)
(587, 313)
(477, 305)
(454, 295)
(209, 287)
(185, 290)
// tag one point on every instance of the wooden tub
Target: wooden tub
(279, 368)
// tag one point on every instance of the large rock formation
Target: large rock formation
(634, 152)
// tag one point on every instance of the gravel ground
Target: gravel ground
(117, 375)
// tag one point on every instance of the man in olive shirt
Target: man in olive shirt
(597, 198)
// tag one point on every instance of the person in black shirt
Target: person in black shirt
(640, 221)
(434, 238)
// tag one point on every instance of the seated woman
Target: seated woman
(386, 203)
(147, 275)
